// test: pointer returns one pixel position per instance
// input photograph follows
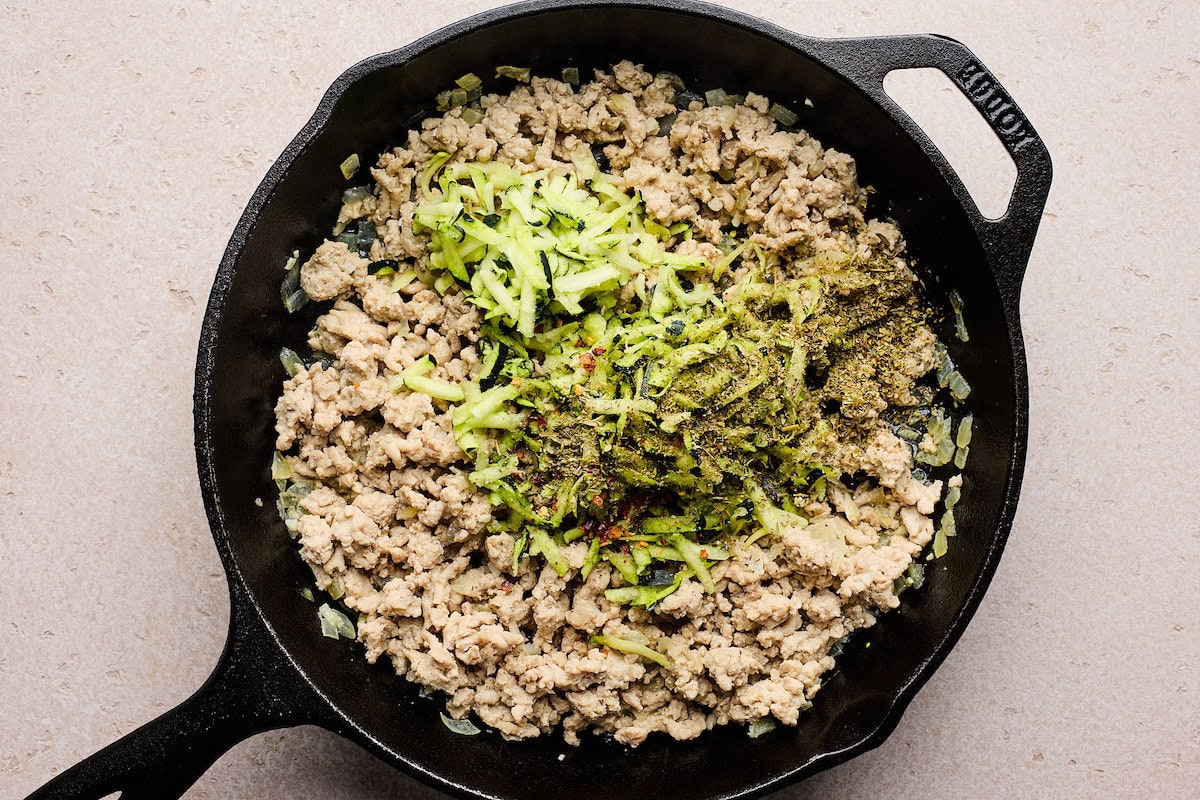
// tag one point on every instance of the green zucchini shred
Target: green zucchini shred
(630, 646)
(681, 397)
(542, 544)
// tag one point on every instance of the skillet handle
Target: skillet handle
(252, 689)
(1009, 239)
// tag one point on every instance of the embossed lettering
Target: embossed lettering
(995, 104)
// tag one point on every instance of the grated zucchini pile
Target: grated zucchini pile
(641, 398)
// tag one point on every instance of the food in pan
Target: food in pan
(623, 414)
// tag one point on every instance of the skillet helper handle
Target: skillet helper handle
(253, 689)
(1009, 239)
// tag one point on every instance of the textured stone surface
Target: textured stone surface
(132, 134)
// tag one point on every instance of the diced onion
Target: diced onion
(516, 73)
(290, 360)
(469, 81)
(953, 496)
(916, 574)
(959, 388)
(717, 97)
(964, 431)
(463, 727)
(355, 194)
(760, 726)
(960, 457)
(939, 543)
(334, 623)
(960, 326)
(295, 301)
(281, 468)
(673, 80)
(783, 115)
(948, 524)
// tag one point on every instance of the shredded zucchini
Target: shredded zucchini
(630, 646)
(669, 395)
(541, 543)
(626, 394)
(963, 438)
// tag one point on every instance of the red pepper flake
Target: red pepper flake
(704, 552)
(587, 361)
(599, 350)
(506, 587)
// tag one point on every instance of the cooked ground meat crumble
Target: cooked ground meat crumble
(394, 523)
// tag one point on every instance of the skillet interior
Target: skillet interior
(294, 209)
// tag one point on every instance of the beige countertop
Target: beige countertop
(131, 136)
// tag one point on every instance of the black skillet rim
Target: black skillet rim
(240, 592)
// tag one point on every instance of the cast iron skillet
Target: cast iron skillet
(277, 670)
